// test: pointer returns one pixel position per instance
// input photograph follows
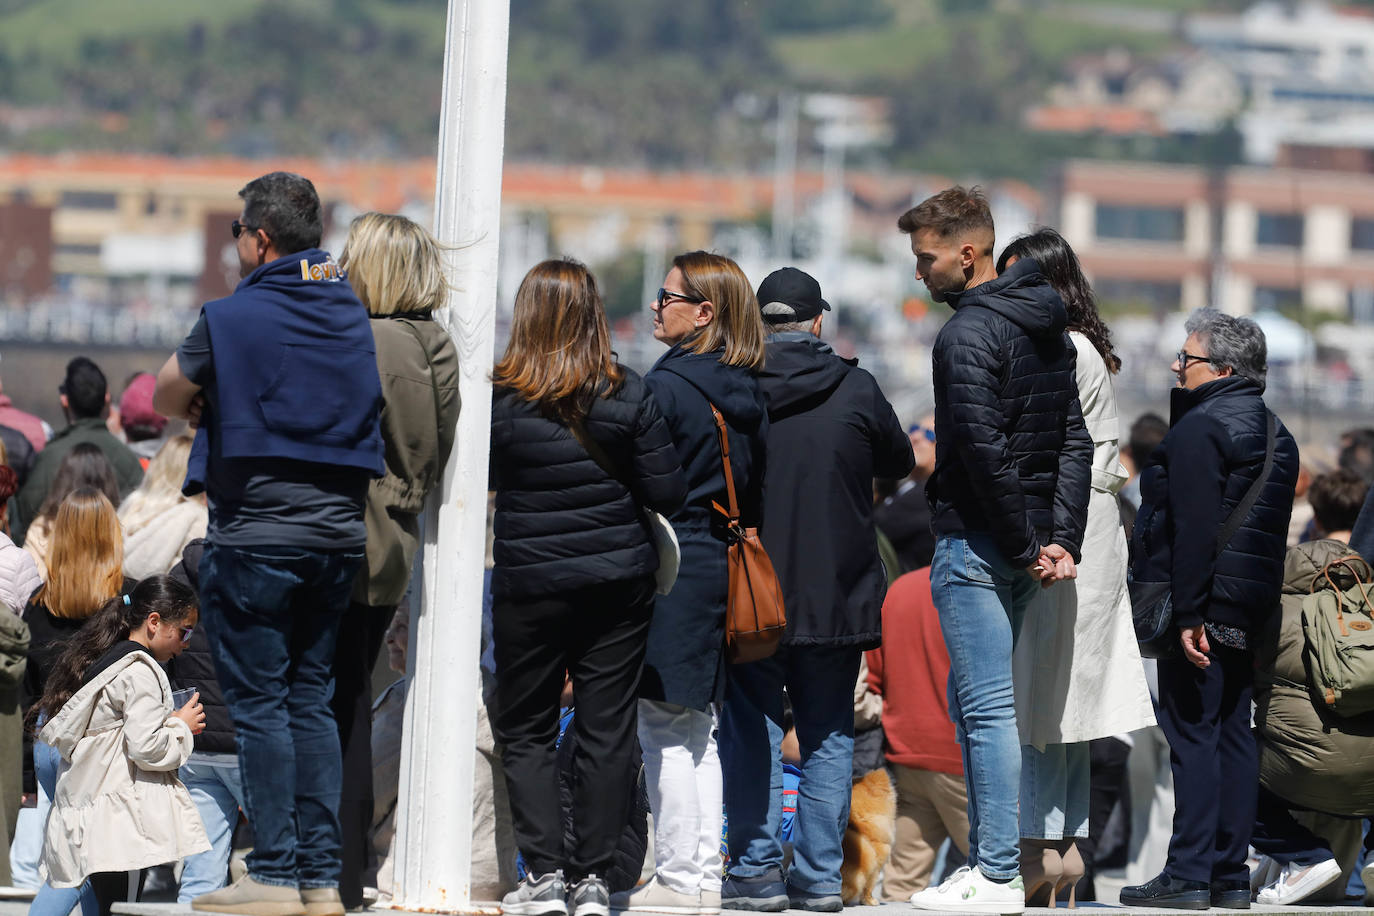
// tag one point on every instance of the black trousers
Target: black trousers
(111, 887)
(1205, 715)
(361, 635)
(597, 635)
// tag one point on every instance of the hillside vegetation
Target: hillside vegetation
(639, 82)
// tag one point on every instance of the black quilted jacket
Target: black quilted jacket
(561, 521)
(1013, 458)
(1199, 473)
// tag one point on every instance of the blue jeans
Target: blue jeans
(218, 793)
(55, 901)
(272, 615)
(1055, 791)
(981, 599)
(820, 684)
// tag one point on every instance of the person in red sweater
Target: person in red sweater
(910, 672)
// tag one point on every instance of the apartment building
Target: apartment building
(1243, 239)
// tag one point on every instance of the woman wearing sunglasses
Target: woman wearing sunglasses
(708, 316)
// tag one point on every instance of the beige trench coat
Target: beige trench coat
(119, 805)
(1076, 665)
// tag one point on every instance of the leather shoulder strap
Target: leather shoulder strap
(732, 511)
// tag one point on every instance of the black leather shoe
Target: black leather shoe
(1169, 893)
(1231, 895)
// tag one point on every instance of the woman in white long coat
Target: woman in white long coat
(1076, 666)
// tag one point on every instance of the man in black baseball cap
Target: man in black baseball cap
(789, 296)
(831, 431)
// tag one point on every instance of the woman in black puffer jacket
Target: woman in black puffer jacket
(573, 582)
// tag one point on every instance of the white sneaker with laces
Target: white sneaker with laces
(1298, 882)
(969, 891)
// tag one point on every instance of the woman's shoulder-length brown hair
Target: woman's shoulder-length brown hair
(559, 355)
(737, 328)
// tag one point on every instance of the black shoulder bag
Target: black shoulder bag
(1152, 603)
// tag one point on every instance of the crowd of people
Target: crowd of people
(199, 605)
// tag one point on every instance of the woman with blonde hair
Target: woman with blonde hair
(396, 269)
(578, 447)
(158, 520)
(707, 314)
(85, 570)
(84, 466)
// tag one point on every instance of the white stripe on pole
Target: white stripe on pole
(434, 812)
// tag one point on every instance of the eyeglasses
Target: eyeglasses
(923, 430)
(237, 228)
(1184, 357)
(665, 294)
(186, 633)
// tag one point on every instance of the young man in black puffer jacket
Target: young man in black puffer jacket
(1009, 501)
(212, 773)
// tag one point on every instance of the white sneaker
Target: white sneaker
(1298, 882)
(655, 897)
(968, 891)
(1367, 876)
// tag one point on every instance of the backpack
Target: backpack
(1338, 632)
(14, 647)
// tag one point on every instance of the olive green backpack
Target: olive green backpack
(1338, 627)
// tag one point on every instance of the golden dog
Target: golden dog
(868, 838)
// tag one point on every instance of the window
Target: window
(1274, 298)
(1362, 234)
(1158, 296)
(1150, 224)
(89, 200)
(78, 250)
(1279, 229)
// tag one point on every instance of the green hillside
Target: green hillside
(647, 82)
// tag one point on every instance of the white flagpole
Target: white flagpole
(434, 812)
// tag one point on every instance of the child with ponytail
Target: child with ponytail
(119, 806)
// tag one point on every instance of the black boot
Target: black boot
(1231, 895)
(1169, 893)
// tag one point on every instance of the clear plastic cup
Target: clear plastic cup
(183, 696)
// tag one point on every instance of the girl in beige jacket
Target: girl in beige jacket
(119, 806)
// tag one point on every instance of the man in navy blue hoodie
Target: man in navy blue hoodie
(281, 378)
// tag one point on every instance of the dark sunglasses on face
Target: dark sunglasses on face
(666, 294)
(186, 633)
(238, 228)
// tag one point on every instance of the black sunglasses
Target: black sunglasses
(1184, 357)
(665, 294)
(237, 228)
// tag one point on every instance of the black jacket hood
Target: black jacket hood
(1022, 296)
(800, 371)
(722, 385)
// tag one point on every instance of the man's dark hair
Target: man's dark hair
(286, 207)
(955, 212)
(85, 388)
(1336, 499)
(1148, 430)
(1358, 454)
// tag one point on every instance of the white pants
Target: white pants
(682, 774)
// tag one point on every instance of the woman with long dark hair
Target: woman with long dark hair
(118, 805)
(578, 447)
(1076, 666)
(707, 314)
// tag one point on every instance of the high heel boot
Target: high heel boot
(1041, 870)
(1071, 869)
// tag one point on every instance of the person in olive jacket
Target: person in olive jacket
(1214, 452)
(830, 432)
(396, 268)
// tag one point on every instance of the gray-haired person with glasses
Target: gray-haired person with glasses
(1221, 440)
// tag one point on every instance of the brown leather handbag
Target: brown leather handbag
(754, 617)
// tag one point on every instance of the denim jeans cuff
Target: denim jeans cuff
(274, 882)
(316, 885)
(999, 878)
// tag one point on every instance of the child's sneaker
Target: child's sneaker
(538, 895)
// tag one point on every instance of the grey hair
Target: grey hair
(779, 318)
(1232, 341)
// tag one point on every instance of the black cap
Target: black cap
(794, 288)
